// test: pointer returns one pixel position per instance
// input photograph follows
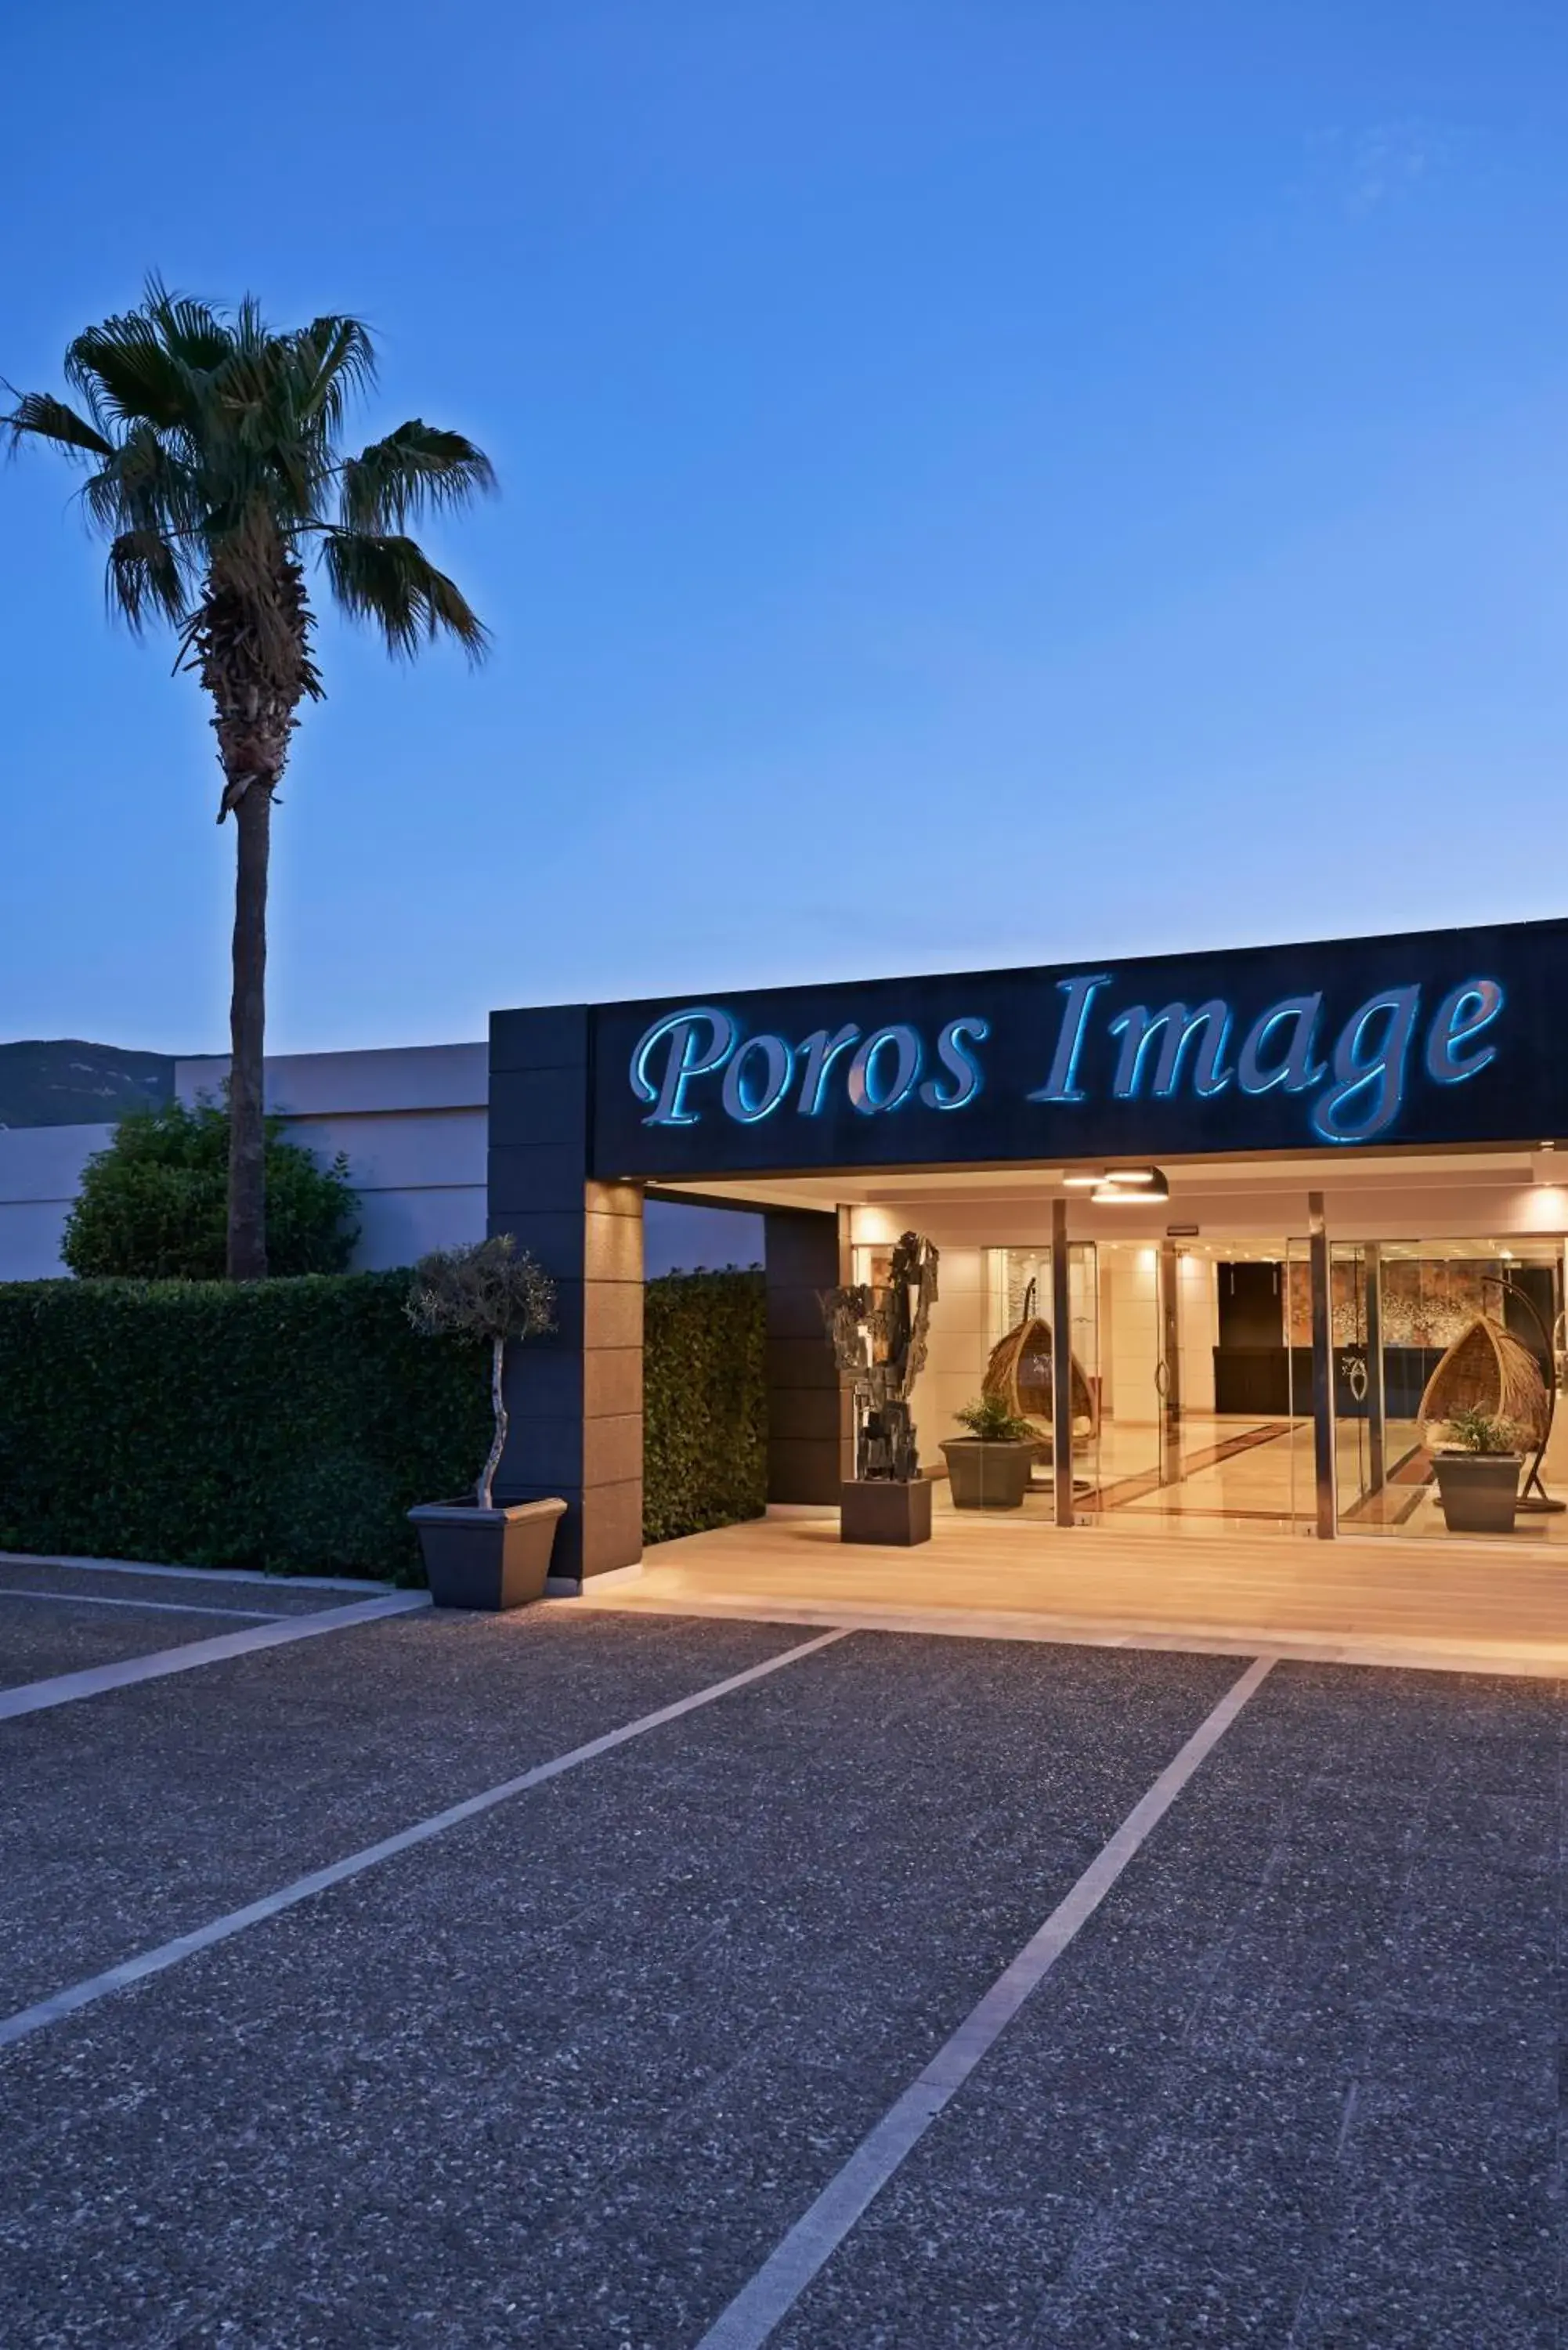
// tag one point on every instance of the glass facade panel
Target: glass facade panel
(1425, 1328)
(1184, 1418)
(1192, 1375)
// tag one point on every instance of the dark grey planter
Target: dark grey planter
(1479, 1490)
(986, 1476)
(486, 1558)
(884, 1510)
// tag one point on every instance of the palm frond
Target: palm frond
(145, 485)
(392, 583)
(415, 469)
(147, 577)
(191, 330)
(250, 391)
(46, 419)
(126, 373)
(338, 359)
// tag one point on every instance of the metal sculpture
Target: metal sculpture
(878, 1334)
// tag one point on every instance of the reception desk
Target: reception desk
(1275, 1382)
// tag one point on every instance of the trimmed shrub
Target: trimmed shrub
(704, 1402)
(276, 1424)
(289, 1424)
(153, 1206)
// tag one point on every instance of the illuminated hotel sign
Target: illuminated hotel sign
(1358, 1082)
(1449, 1037)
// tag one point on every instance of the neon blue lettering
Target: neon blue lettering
(747, 1104)
(818, 1051)
(867, 1091)
(1298, 1070)
(686, 1057)
(1463, 1012)
(1061, 1084)
(953, 1052)
(1381, 1071)
(1176, 1027)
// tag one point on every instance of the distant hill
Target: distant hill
(63, 1082)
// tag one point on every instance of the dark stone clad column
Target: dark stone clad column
(806, 1416)
(576, 1398)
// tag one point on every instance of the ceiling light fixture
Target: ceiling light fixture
(1128, 1187)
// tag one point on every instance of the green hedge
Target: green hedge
(280, 1424)
(289, 1424)
(705, 1401)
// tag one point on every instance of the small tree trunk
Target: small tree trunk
(247, 1036)
(498, 1401)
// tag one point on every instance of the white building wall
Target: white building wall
(410, 1122)
(40, 1175)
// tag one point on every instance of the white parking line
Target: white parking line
(29, 2019)
(63, 1689)
(190, 1574)
(778, 2284)
(161, 1607)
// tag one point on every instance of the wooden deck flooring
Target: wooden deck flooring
(1497, 1608)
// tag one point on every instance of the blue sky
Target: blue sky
(982, 482)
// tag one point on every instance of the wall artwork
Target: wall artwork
(1425, 1301)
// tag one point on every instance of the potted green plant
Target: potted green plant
(1478, 1473)
(475, 1555)
(989, 1468)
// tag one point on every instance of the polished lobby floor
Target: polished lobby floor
(1236, 1474)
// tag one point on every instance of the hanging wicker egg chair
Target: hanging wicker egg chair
(1019, 1373)
(1487, 1368)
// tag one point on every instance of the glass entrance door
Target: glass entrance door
(1019, 1314)
(1185, 1419)
(1140, 1373)
(1419, 1329)
(1360, 1393)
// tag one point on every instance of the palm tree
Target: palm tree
(214, 467)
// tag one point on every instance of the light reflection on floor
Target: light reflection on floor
(1246, 1474)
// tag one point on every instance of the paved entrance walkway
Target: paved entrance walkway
(1501, 1607)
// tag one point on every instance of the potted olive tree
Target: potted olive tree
(1478, 1473)
(475, 1555)
(989, 1468)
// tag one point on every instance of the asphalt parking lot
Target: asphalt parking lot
(629, 2056)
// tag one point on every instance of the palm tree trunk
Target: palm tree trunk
(248, 1036)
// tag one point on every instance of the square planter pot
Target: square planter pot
(986, 1476)
(1479, 1490)
(486, 1558)
(882, 1510)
